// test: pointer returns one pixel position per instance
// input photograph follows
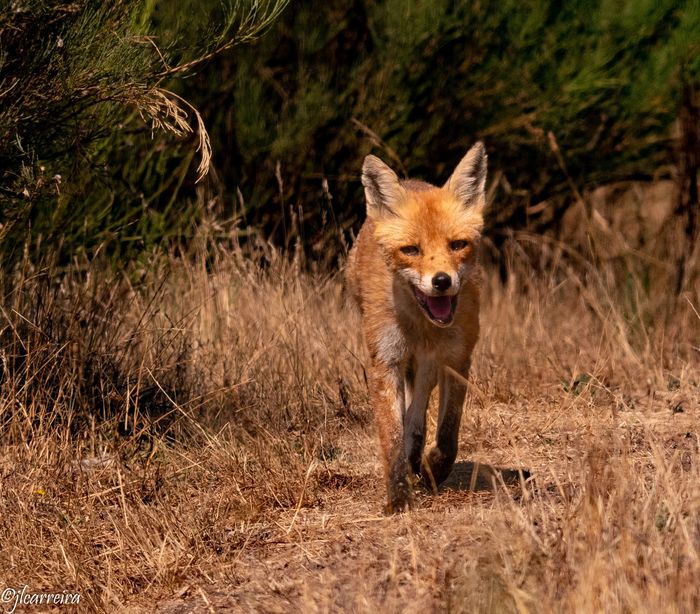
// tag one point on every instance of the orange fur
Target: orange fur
(408, 239)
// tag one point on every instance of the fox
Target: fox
(415, 275)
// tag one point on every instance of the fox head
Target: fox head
(429, 234)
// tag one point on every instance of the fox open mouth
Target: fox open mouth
(439, 309)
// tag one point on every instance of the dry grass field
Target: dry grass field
(196, 436)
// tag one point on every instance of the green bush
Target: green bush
(566, 95)
(419, 81)
(88, 116)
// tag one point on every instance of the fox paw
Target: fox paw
(400, 497)
(436, 467)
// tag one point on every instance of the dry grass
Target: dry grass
(201, 440)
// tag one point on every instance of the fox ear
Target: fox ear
(383, 191)
(469, 178)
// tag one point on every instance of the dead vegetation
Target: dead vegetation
(195, 436)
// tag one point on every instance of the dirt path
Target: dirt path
(339, 554)
(342, 554)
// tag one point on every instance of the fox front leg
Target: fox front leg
(439, 461)
(421, 378)
(386, 386)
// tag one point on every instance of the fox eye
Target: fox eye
(456, 246)
(410, 250)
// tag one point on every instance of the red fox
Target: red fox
(414, 273)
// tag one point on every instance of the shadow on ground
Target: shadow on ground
(472, 476)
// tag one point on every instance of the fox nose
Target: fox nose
(441, 281)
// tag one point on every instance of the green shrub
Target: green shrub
(420, 81)
(88, 116)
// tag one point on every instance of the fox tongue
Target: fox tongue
(440, 306)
